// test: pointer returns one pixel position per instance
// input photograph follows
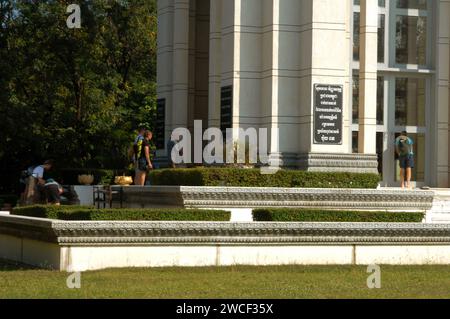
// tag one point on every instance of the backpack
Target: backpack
(403, 146)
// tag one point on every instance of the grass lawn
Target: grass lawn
(232, 282)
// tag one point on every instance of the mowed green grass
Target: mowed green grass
(230, 282)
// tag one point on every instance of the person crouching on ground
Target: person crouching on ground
(143, 163)
(404, 148)
(47, 189)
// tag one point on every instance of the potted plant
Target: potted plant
(86, 179)
(123, 180)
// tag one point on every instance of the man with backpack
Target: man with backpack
(137, 149)
(404, 148)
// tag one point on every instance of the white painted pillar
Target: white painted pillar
(165, 63)
(215, 63)
(368, 77)
(274, 129)
(442, 94)
(180, 64)
(236, 7)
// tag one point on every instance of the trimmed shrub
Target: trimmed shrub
(306, 215)
(90, 213)
(47, 211)
(253, 178)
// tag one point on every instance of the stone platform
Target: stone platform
(253, 197)
(80, 246)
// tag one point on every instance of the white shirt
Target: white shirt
(38, 172)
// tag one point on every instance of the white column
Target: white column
(274, 129)
(442, 94)
(180, 64)
(215, 63)
(368, 77)
(165, 62)
(237, 7)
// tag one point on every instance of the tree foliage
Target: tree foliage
(74, 95)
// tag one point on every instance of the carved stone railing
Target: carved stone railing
(235, 197)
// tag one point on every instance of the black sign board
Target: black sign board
(328, 114)
(160, 124)
(226, 109)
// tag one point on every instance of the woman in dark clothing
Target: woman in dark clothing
(144, 163)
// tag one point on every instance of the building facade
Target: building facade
(333, 81)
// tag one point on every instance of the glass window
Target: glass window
(410, 102)
(355, 105)
(412, 4)
(355, 142)
(381, 35)
(411, 40)
(380, 100)
(356, 41)
(380, 151)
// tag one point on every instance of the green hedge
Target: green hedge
(69, 176)
(308, 215)
(253, 178)
(90, 213)
(48, 211)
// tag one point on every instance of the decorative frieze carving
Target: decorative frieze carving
(234, 197)
(67, 233)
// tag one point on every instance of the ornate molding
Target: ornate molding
(353, 163)
(234, 197)
(223, 233)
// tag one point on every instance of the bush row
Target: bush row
(90, 213)
(306, 215)
(253, 178)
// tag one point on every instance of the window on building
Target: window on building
(160, 125)
(412, 4)
(404, 85)
(355, 103)
(381, 31)
(226, 109)
(410, 102)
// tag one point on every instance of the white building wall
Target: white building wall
(273, 52)
(164, 61)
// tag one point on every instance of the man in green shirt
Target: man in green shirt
(404, 148)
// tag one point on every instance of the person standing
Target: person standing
(144, 163)
(137, 147)
(404, 148)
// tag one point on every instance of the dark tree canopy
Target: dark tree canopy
(74, 95)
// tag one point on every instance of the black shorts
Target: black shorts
(142, 165)
(406, 161)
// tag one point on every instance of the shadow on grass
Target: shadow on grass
(8, 265)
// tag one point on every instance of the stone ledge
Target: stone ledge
(322, 162)
(68, 233)
(234, 197)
